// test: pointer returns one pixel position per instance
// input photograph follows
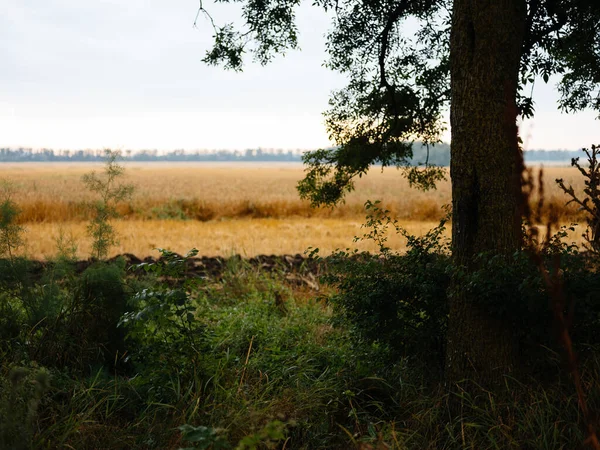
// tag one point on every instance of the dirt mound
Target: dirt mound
(297, 269)
(214, 267)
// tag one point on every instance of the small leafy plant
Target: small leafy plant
(165, 337)
(10, 231)
(111, 192)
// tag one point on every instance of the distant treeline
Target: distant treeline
(47, 155)
(438, 155)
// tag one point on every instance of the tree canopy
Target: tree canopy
(399, 84)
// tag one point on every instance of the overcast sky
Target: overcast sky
(128, 74)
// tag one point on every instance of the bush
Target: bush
(396, 300)
(83, 335)
(400, 301)
(590, 203)
(20, 395)
(102, 298)
(10, 231)
(165, 339)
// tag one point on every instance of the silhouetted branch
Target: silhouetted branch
(201, 10)
(385, 38)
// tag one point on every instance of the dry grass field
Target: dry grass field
(224, 208)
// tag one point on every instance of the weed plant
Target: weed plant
(590, 203)
(10, 231)
(111, 192)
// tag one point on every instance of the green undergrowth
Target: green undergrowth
(245, 361)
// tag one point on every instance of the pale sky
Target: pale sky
(128, 74)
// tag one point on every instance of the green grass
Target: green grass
(274, 372)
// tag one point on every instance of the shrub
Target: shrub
(84, 334)
(397, 300)
(102, 298)
(400, 301)
(20, 395)
(165, 338)
(10, 231)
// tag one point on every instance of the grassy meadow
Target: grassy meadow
(228, 208)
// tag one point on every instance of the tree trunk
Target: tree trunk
(485, 52)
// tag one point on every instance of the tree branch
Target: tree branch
(206, 13)
(532, 38)
(527, 41)
(385, 39)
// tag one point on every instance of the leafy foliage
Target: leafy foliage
(203, 438)
(164, 334)
(76, 318)
(20, 396)
(397, 300)
(271, 366)
(206, 438)
(10, 231)
(270, 23)
(399, 84)
(111, 193)
(400, 301)
(101, 299)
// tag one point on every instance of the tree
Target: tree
(481, 59)
(485, 43)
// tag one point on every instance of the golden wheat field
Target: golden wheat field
(223, 209)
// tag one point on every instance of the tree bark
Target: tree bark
(485, 52)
